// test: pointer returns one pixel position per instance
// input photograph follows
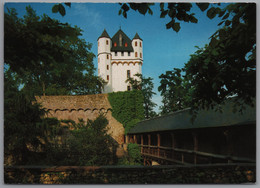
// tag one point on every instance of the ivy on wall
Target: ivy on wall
(127, 107)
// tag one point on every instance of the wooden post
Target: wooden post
(142, 143)
(149, 143)
(135, 140)
(230, 150)
(173, 144)
(196, 145)
(158, 143)
(127, 139)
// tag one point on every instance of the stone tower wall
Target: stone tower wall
(85, 107)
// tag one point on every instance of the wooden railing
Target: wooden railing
(184, 156)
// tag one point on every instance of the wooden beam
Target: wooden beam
(196, 145)
(158, 143)
(230, 148)
(173, 144)
(135, 139)
(142, 143)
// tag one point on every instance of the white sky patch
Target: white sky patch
(157, 99)
(90, 17)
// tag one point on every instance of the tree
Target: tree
(88, 144)
(146, 86)
(175, 90)
(49, 57)
(226, 67)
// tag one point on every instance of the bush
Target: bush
(133, 157)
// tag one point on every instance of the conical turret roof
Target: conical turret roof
(137, 37)
(104, 34)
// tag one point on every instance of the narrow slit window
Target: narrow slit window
(128, 73)
(107, 67)
(107, 77)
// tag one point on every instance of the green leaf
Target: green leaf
(62, 10)
(55, 8)
(221, 13)
(220, 23)
(213, 42)
(169, 25)
(211, 13)
(176, 27)
(214, 52)
(162, 6)
(163, 13)
(125, 7)
(120, 12)
(227, 23)
(203, 6)
(226, 16)
(193, 19)
(68, 4)
(143, 9)
(171, 12)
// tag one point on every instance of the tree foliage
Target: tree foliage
(226, 67)
(146, 87)
(127, 107)
(133, 156)
(48, 56)
(88, 144)
(177, 12)
(175, 90)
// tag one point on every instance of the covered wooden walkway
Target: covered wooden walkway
(212, 138)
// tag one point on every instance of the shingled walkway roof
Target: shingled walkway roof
(97, 101)
(182, 120)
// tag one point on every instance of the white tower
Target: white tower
(104, 60)
(118, 59)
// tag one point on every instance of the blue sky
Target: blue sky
(162, 49)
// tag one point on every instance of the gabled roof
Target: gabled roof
(205, 119)
(137, 37)
(125, 40)
(104, 34)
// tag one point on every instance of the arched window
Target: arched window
(140, 44)
(125, 44)
(107, 77)
(135, 43)
(136, 54)
(107, 67)
(115, 44)
(141, 56)
(107, 42)
(107, 56)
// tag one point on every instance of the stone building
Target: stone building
(119, 58)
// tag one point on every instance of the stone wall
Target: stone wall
(202, 174)
(84, 107)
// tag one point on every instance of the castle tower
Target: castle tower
(126, 59)
(104, 60)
